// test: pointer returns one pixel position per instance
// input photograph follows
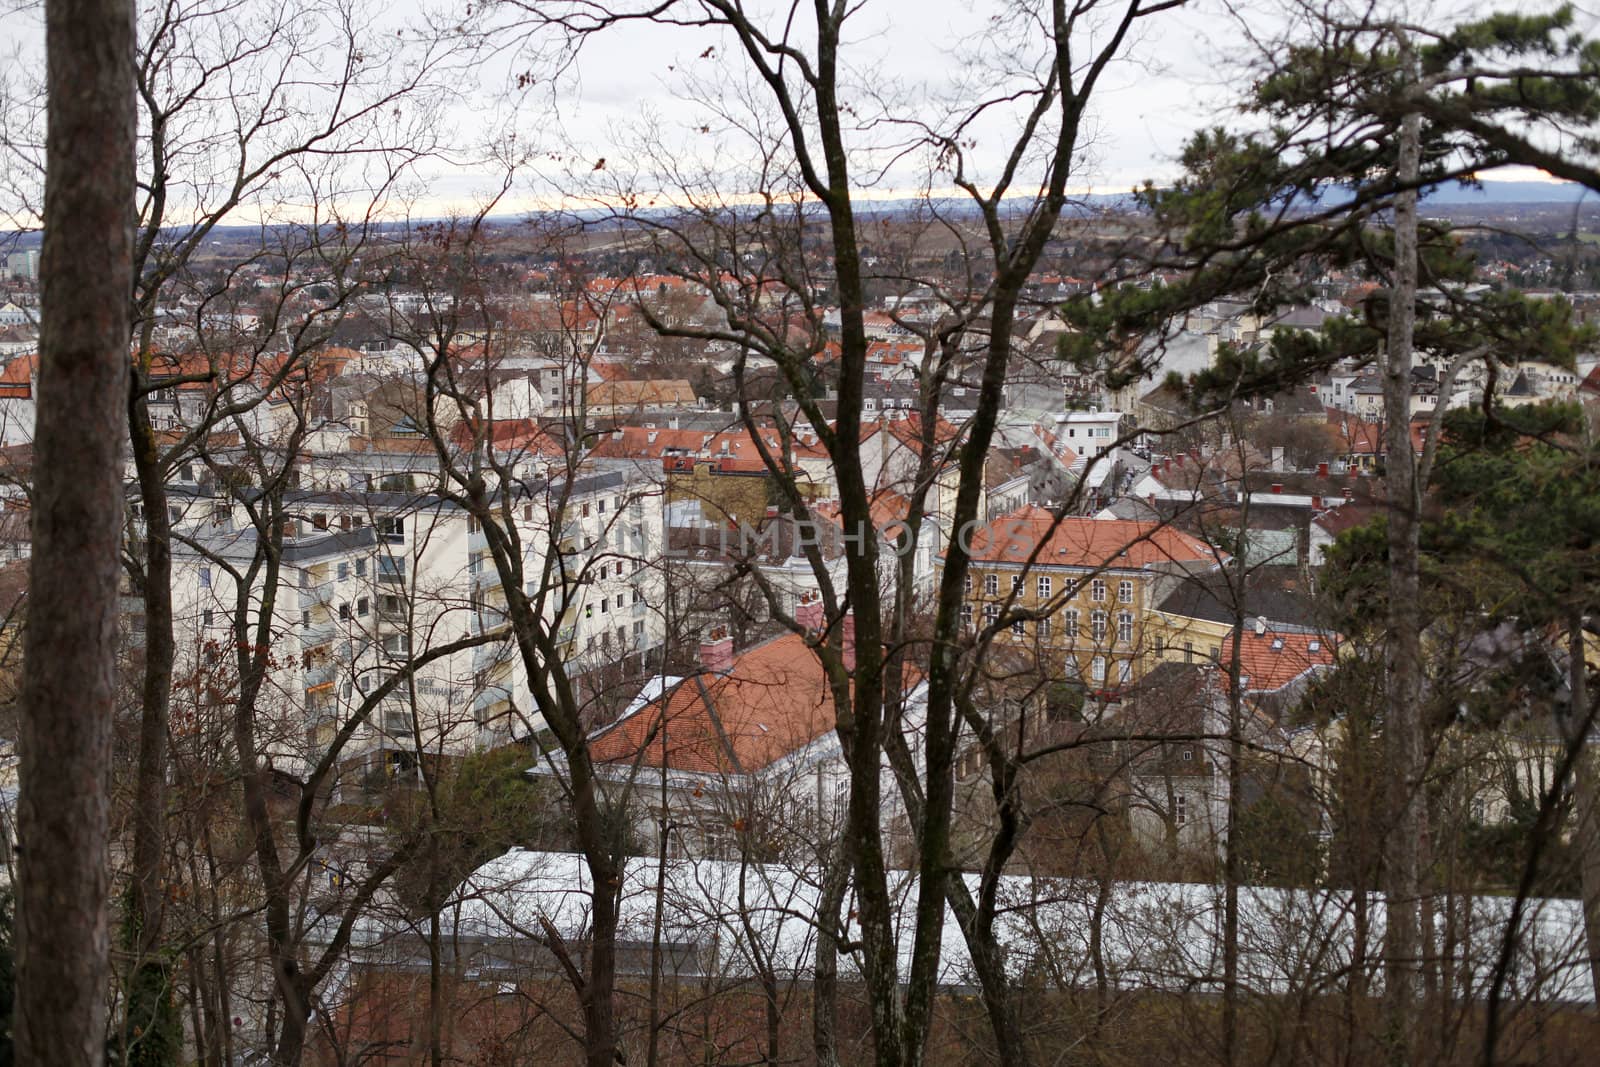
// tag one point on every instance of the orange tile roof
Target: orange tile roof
(1357, 435)
(908, 431)
(888, 507)
(17, 378)
(511, 435)
(644, 392)
(774, 701)
(1264, 668)
(1078, 542)
(894, 352)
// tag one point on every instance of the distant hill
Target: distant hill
(1493, 192)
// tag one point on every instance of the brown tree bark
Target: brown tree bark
(68, 689)
(1586, 796)
(1403, 731)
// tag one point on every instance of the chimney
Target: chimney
(848, 640)
(809, 612)
(716, 652)
(1277, 487)
(1316, 502)
(1322, 470)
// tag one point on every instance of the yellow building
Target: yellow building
(1081, 592)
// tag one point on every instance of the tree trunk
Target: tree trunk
(825, 968)
(1586, 788)
(69, 675)
(436, 1005)
(1403, 731)
(155, 696)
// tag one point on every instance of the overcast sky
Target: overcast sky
(1182, 70)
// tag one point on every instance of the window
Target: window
(1160, 644)
(605, 604)
(1069, 623)
(1016, 582)
(1124, 592)
(603, 571)
(1097, 625)
(1044, 588)
(588, 611)
(392, 528)
(990, 613)
(319, 520)
(363, 606)
(1216, 653)
(1097, 590)
(1097, 669)
(966, 616)
(361, 567)
(206, 617)
(967, 584)
(638, 597)
(638, 630)
(344, 571)
(1019, 629)
(391, 569)
(1180, 810)
(305, 618)
(397, 644)
(1125, 627)
(1124, 671)
(1188, 652)
(205, 577)
(1043, 629)
(602, 505)
(991, 584)
(344, 612)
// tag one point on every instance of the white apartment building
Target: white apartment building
(367, 581)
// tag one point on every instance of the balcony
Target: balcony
(490, 695)
(319, 633)
(320, 595)
(324, 672)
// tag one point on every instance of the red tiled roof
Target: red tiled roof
(774, 701)
(634, 393)
(893, 352)
(908, 431)
(17, 378)
(1270, 661)
(511, 435)
(1078, 542)
(1357, 436)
